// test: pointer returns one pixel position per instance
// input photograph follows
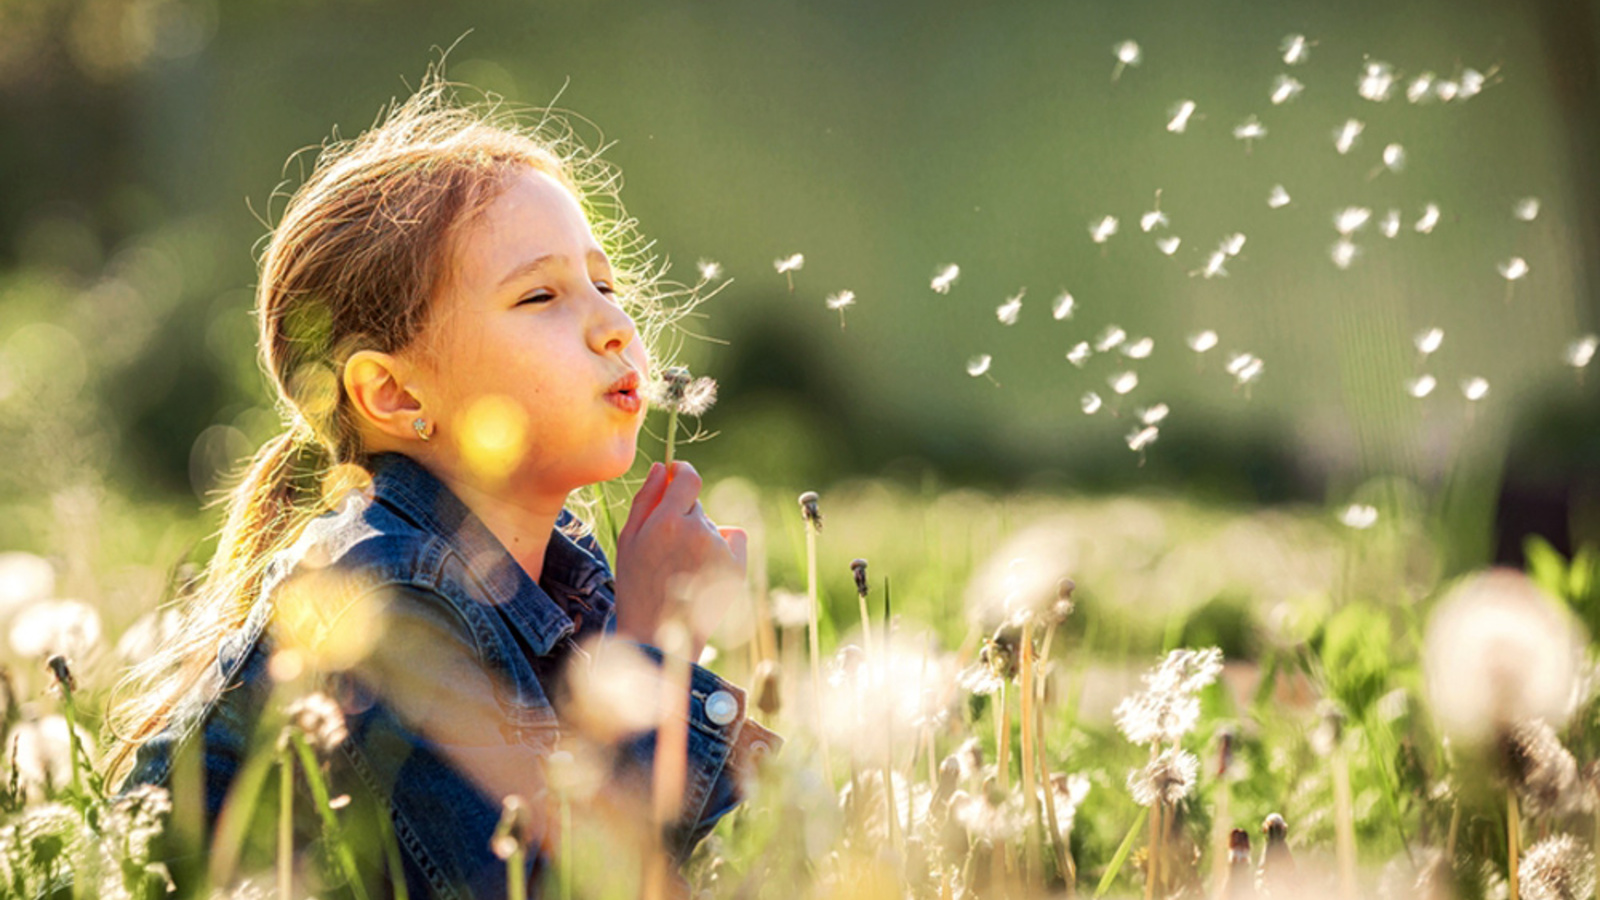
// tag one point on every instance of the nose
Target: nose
(612, 329)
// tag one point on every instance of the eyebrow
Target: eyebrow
(537, 263)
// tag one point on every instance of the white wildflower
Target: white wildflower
(1233, 244)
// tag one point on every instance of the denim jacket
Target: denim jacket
(492, 654)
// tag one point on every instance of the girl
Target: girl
(447, 332)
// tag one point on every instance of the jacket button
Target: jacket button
(721, 708)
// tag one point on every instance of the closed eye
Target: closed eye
(537, 297)
(605, 287)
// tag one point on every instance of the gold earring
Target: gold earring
(422, 427)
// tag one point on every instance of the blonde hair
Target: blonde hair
(360, 251)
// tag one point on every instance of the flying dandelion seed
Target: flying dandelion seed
(1128, 54)
(1428, 340)
(1168, 245)
(1079, 354)
(1181, 114)
(1420, 90)
(945, 277)
(1472, 83)
(1202, 341)
(1249, 131)
(1278, 198)
(710, 269)
(1140, 438)
(1421, 386)
(1344, 253)
(1245, 368)
(841, 301)
(1394, 157)
(1233, 244)
(1429, 218)
(1216, 265)
(1447, 90)
(1359, 516)
(1102, 230)
(1295, 49)
(1063, 307)
(1581, 351)
(789, 264)
(1123, 382)
(1153, 415)
(1474, 389)
(979, 365)
(1389, 225)
(1284, 89)
(1111, 337)
(1007, 312)
(1513, 269)
(1139, 349)
(1347, 135)
(1152, 220)
(1351, 219)
(1377, 81)
(1091, 403)
(1526, 209)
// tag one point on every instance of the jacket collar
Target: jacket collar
(572, 572)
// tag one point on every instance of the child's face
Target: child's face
(526, 335)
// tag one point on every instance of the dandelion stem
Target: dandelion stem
(285, 822)
(1029, 795)
(1152, 850)
(1513, 842)
(1064, 864)
(333, 835)
(1345, 823)
(516, 881)
(816, 651)
(1455, 830)
(672, 435)
(1002, 741)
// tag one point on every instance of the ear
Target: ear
(376, 385)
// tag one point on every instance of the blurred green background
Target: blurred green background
(144, 143)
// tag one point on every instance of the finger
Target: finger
(647, 499)
(684, 491)
(738, 542)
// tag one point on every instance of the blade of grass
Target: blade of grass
(1121, 856)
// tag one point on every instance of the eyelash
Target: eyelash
(604, 287)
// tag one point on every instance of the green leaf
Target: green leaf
(1545, 565)
(1121, 855)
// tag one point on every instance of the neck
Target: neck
(523, 526)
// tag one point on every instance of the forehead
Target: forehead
(532, 215)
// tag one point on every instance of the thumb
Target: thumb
(738, 542)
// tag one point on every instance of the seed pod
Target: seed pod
(809, 510)
(63, 673)
(515, 830)
(859, 567)
(769, 687)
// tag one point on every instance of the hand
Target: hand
(669, 553)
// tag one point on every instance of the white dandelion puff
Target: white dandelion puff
(1233, 244)
(789, 264)
(1557, 868)
(1153, 415)
(1344, 252)
(1007, 312)
(1295, 49)
(1249, 130)
(1180, 116)
(1079, 354)
(1091, 403)
(1428, 219)
(1359, 516)
(1345, 138)
(1123, 382)
(1168, 245)
(70, 628)
(1526, 209)
(1285, 88)
(1166, 779)
(1513, 269)
(1475, 388)
(1420, 90)
(945, 277)
(1202, 341)
(1128, 54)
(1278, 197)
(1421, 386)
(1139, 349)
(1110, 338)
(979, 365)
(1140, 438)
(1394, 157)
(1351, 219)
(1581, 351)
(1389, 225)
(1428, 340)
(710, 269)
(1063, 307)
(1377, 81)
(24, 578)
(1101, 230)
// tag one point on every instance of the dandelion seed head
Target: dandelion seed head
(1007, 311)
(1526, 209)
(1153, 415)
(710, 269)
(1428, 219)
(1359, 516)
(1377, 81)
(841, 300)
(1021, 579)
(1557, 868)
(1421, 386)
(1201, 341)
(1181, 114)
(1250, 129)
(1090, 402)
(1581, 351)
(1110, 338)
(1389, 225)
(1344, 252)
(1139, 349)
(945, 277)
(1394, 157)
(790, 609)
(24, 578)
(1285, 88)
(1475, 388)
(1351, 219)
(68, 627)
(1499, 650)
(1420, 90)
(320, 720)
(1296, 49)
(1140, 438)
(979, 364)
(1513, 269)
(1542, 771)
(676, 390)
(1128, 53)
(1079, 354)
(1166, 779)
(1102, 229)
(1345, 138)
(789, 264)
(1063, 307)
(1278, 197)
(1428, 340)
(1123, 382)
